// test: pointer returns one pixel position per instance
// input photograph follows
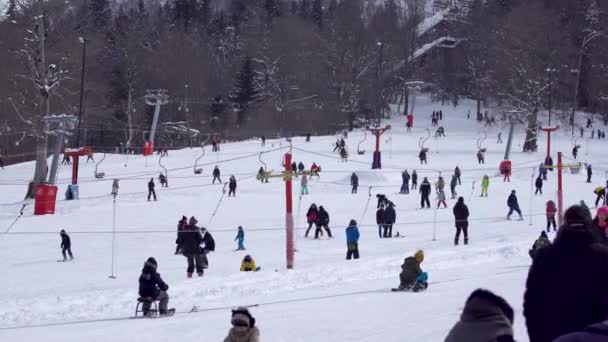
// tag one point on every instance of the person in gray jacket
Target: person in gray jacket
(486, 317)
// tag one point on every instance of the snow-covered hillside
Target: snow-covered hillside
(325, 298)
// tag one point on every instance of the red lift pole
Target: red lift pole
(377, 164)
(560, 194)
(289, 243)
(549, 130)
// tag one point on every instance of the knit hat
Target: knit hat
(242, 318)
(151, 262)
(419, 256)
(352, 223)
(578, 217)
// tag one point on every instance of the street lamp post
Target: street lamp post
(82, 78)
(379, 72)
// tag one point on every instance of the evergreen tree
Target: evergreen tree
(100, 13)
(11, 10)
(304, 10)
(238, 12)
(317, 13)
(272, 9)
(244, 92)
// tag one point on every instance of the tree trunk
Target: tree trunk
(129, 119)
(41, 169)
(531, 132)
(406, 100)
(479, 115)
(577, 85)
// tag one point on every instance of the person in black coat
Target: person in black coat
(153, 288)
(66, 245)
(425, 192)
(323, 219)
(390, 216)
(539, 185)
(208, 245)
(190, 243)
(216, 175)
(181, 227)
(566, 285)
(382, 200)
(151, 189)
(414, 180)
(589, 173)
(461, 216)
(294, 168)
(380, 220)
(301, 167)
(513, 206)
(354, 181)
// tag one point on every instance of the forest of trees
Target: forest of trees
(247, 68)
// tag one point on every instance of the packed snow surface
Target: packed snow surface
(325, 298)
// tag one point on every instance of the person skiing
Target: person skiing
(425, 192)
(540, 243)
(301, 167)
(480, 157)
(414, 180)
(323, 222)
(163, 181)
(422, 156)
(453, 186)
(343, 154)
(248, 264)
(589, 172)
(506, 171)
(485, 184)
(352, 240)
(240, 238)
(182, 225)
(337, 146)
(243, 327)
(457, 173)
(440, 185)
(600, 192)
(412, 278)
(441, 199)
(550, 211)
(90, 157)
(542, 170)
(405, 186)
(390, 217)
(66, 159)
(380, 220)
(153, 288)
(312, 217)
(539, 185)
(575, 151)
(115, 187)
(151, 189)
(354, 182)
(208, 245)
(232, 186)
(461, 216)
(315, 170)
(216, 175)
(304, 185)
(513, 206)
(190, 243)
(66, 245)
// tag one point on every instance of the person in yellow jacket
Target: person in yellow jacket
(485, 184)
(248, 264)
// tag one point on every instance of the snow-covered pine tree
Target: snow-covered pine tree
(243, 93)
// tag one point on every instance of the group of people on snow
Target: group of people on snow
(386, 216)
(318, 217)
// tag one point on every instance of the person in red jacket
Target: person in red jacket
(551, 210)
(312, 216)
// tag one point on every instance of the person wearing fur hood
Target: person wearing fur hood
(243, 327)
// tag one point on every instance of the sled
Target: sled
(153, 312)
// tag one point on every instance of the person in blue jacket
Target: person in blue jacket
(352, 240)
(240, 238)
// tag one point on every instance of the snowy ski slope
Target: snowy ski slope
(326, 298)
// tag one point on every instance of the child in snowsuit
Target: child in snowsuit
(513, 206)
(352, 240)
(66, 245)
(248, 264)
(405, 186)
(542, 242)
(551, 210)
(151, 189)
(153, 288)
(354, 182)
(304, 185)
(411, 276)
(485, 184)
(232, 186)
(312, 217)
(243, 327)
(216, 175)
(240, 238)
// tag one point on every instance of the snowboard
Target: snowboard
(406, 290)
